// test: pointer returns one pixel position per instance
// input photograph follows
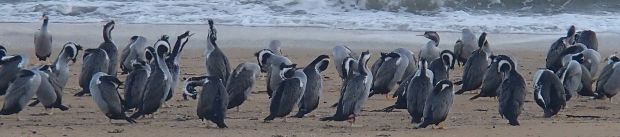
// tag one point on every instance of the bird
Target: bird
(213, 101)
(94, 60)
(104, 91)
(607, 86)
(465, 46)
(135, 83)
(592, 61)
(413, 62)
(270, 63)
(276, 47)
(174, 59)
(354, 92)
(554, 57)
(491, 80)
(588, 38)
(216, 62)
(431, 50)
(339, 54)
(349, 65)
(240, 83)
(43, 40)
(3, 51)
(158, 83)
(314, 85)
(512, 90)
(388, 73)
(548, 92)
(441, 66)
(110, 48)
(438, 104)
(61, 67)
(22, 88)
(419, 88)
(570, 74)
(289, 92)
(133, 51)
(9, 67)
(475, 67)
(49, 92)
(189, 85)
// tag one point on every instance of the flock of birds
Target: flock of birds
(421, 83)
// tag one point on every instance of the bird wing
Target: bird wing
(109, 92)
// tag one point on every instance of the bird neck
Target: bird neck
(44, 26)
(107, 34)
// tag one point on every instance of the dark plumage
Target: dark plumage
(134, 51)
(20, 91)
(94, 60)
(475, 67)
(588, 38)
(354, 92)
(314, 85)
(511, 92)
(491, 81)
(549, 92)
(213, 102)
(217, 62)
(158, 83)
(387, 72)
(104, 89)
(438, 104)
(9, 67)
(420, 86)
(110, 48)
(135, 84)
(289, 92)
(174, 59)
(442, 65)
(554, 57)
(43, 41)
(240, 83)
(607, 85)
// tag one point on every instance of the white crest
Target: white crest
(444, 86)
(260, 55)
(162, 43)
(502, 63)
(609, 61)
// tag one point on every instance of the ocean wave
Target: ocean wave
(497, 16)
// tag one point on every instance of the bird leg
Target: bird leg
(352, 122)
(440, 126)
(238, 110)
(387, 96)
(165, 105)
(284, 119)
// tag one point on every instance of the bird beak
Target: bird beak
(420, 35)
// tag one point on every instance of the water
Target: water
(496, 16)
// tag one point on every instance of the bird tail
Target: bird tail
(130, 120)
(458, 83)
(62, 107)
(137, 114)
(79, 94)
(513, 122)
(423, 125)
(327, 119)
(269, 118)
(34, 103)
(461, 91)
(474, 97)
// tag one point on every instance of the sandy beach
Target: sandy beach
(302, 45)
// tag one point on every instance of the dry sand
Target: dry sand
(467, 118)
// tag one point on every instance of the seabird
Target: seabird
(512, 90)
(94, 60)
(158, 83)
(339, 54)
(104, 90)
(607, 85)
(465, 46)
(441, 66)
(438, 104)
(110, 48)
(289, 92)
(135, 83)
(475, 67)
(549, 92)
(213, 101)
(240, 83)
(431, 50)
(43, 40)
(420, 86)
(9, 67)
(354, 92)
(314, 85)
(174, 59)
(217, 62)
(133, 51)
(588, 38)
(389, 72)
(20, 91)
(554, 57)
